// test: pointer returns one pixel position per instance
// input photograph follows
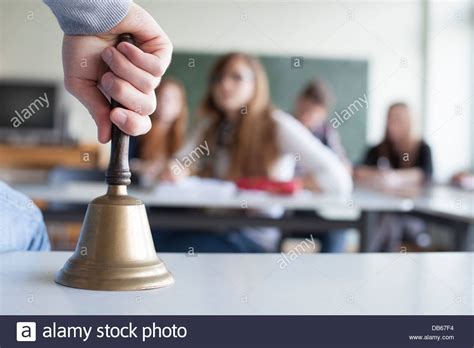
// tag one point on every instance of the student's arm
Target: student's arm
(465, 180)
(368, 171)
(315, 158)
(390, 178)
(88, 17)
(335, 144)
(415, 176)
(365, 174)
(370, 174)
(194, 140)
(91, 28)
(402, 177)
(21, 223)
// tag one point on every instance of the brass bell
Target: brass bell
(115, 250)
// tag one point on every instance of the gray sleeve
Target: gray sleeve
(87, 17)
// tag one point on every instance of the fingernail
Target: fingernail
(107, 55)
(122, 48)
(107, 82)
(101, 138)
(120, 118)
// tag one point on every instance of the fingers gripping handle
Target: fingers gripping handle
(118, 172)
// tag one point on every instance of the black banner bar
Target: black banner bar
(237, 331)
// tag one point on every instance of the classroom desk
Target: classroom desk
(448, 202)
(363, 199)
(451, 207)
(358, 210)
(235, 284)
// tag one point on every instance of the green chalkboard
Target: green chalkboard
(287, 76)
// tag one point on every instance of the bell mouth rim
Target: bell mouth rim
(86, 276)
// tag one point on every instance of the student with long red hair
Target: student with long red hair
(247, 138)
(153, 150)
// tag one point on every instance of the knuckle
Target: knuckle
(145, 110)
(147, 125)
(149, 85)
(150, 105)
(118, 89)
(160, 69)
(121, 65)
(145, 107)
(114, 65)
(135, 55)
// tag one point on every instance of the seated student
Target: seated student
(400, 161)
(151, 152)
(247, 137)
(312, 108)
(21, 223)
(464, 180)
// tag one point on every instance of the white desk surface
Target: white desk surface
(447, 201)
(226, 284)
(83, 192)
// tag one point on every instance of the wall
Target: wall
(449, 97)
(388, 33)
(351, 29)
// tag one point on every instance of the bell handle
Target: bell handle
(118, 172)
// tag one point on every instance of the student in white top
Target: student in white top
(248, 137)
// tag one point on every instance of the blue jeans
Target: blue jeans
(332, 241)
(204, 242)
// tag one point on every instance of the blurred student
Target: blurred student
(247, 137)
(151, 152)
(312, 109)
(401, 159)
(21, 224)
(464, 180)
(400, 162)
